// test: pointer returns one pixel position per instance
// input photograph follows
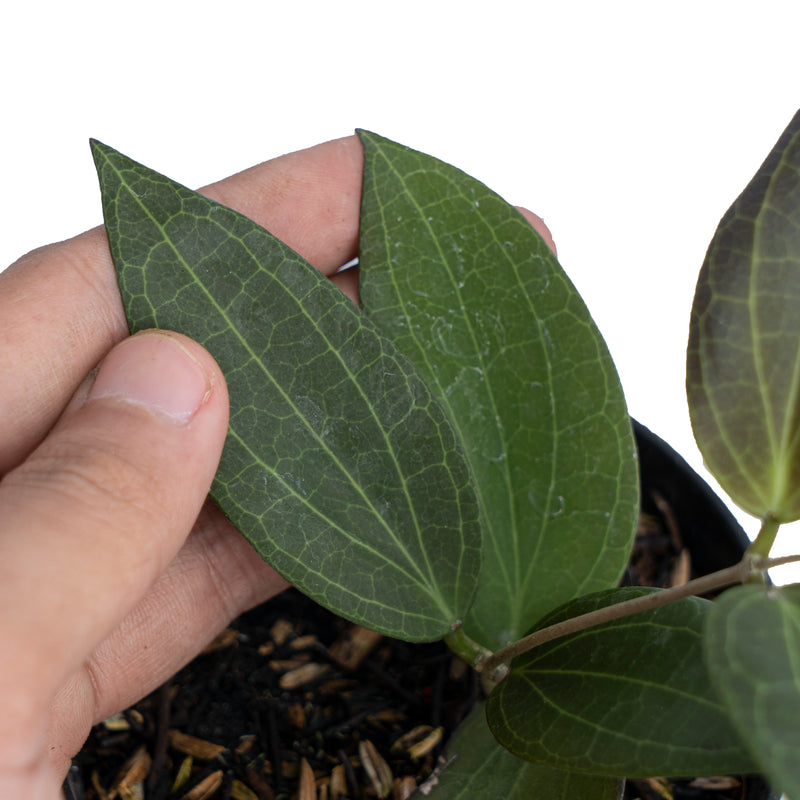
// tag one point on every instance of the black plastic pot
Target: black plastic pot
(714, 538)
(709, 532)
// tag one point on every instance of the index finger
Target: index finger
(61, 308)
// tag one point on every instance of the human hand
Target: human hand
(104, 592)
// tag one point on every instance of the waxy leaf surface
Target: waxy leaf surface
(630, 697)
(340, 468)
(477, 766)
(753, 653)
(743, 365)
(466, 288)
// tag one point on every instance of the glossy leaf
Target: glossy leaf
(477, 766)
(630, 697)
(743, 368)
(471, 293)
(339, 467)
(753, 653)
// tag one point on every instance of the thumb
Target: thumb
(89, 521)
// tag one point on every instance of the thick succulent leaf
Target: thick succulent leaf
(743, 367)
(477, 766)
(339, 467)
(465, 286)
(630, 697)
(753, 653)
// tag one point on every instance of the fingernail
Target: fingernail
(154, 370)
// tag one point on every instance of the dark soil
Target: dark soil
(238, 696)
(241, 722)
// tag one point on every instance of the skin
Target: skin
(115, 569)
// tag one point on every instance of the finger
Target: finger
(61, 313)
(60, 305)
(310, 200)
(94, 516)
(538, 224)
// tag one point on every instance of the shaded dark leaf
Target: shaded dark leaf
(743, 368)
(477, 766)
(629, 697)
(753, 652)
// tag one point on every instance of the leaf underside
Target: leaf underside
(753, 652)
(470, 292)
(339, 467)
(743, 362)
(477, 766)
(630, 697)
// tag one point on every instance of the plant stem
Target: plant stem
(762, 544)
(776, 562)
(699, 586)
(473, 653)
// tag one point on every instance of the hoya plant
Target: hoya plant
(453, 459)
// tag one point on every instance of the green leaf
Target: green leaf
(465, 287)
(743, 366)
(477, 766)
(630, 697)
(339, 467)
(753, 654)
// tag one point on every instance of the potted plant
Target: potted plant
(454, 460)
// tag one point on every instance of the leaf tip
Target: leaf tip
(99, 151)
(363, 134)
(374, 139)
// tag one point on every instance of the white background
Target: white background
(629, 126)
